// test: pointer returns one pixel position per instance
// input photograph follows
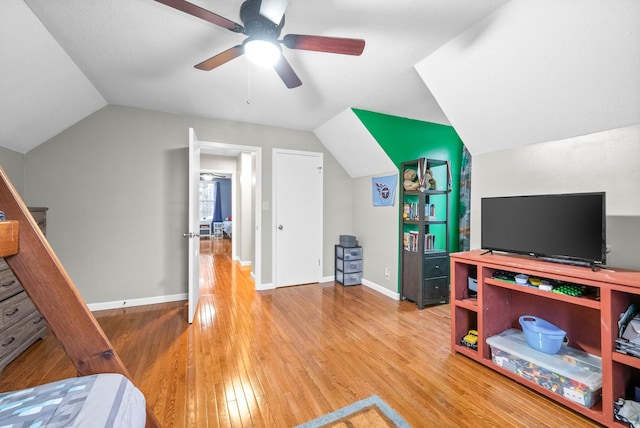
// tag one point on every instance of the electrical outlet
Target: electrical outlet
(387, 273)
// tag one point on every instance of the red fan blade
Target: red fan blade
(286, 73)
(324, 44)
(221, 58)
(201, 13)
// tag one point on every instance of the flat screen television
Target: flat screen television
(567, 228)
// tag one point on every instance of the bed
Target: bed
(227, 227)
(207, 229)
(101, 400)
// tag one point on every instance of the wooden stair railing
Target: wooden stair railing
(53, 293)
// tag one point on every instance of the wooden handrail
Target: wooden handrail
(55, 296)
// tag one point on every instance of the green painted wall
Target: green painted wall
(406, 139)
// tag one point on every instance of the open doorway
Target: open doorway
(216, 207)
(243, 166)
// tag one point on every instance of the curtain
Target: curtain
(217, 203)
(465, 201)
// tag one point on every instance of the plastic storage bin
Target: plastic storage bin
(348, 241)
(541, 334)
(348, 266)
(349, 278)
(353, 253)
(571, 373)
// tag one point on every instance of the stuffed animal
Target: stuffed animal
(410, 180)
(429, 179)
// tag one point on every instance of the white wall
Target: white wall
(338, 206)
(13, 164)
(116, 187)
(377, 230)
(605, 161)
(246, 202)
(218, 163)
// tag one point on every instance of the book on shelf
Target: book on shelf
(429, 242)
(410, 241)
(414, 240)
(411, 211)
(430, 212)
(406, 211)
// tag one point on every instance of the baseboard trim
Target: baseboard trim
(380, 289)
(117, 304)
(244, 263)
(328, 279)
(264, 287)
(372, 285)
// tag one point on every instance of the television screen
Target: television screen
(566, 226)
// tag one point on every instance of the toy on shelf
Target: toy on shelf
(470, 340)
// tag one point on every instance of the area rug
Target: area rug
(371, 412)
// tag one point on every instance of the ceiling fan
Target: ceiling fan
(210, 176)
(263, 21)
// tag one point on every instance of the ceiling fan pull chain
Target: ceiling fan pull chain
(248, 82)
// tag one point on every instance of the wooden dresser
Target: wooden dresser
(20, 323)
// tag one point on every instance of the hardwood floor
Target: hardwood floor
(280, 358)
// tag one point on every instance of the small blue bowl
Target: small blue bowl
(542, 335)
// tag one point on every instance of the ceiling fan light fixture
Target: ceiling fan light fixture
(262, 52)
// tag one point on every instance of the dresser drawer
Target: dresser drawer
(348, 266)
(39, 214)
(14, 309)
(20, 336)
(436, 266)
(9, 284)
(436, 288)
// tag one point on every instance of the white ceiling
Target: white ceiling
(539, 71)
(503, 73)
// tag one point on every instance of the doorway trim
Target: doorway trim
(233, 150)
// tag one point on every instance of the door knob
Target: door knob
(280, 227)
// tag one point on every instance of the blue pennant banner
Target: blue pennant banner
(384, 190)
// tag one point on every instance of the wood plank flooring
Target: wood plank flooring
(280, 358)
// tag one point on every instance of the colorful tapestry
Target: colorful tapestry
(465, 201)
(384, 190)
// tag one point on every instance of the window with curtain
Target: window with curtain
(207, 198)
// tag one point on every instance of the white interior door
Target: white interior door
(194, 224)
(297, 217)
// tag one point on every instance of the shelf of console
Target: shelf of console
(595, 413)
(611, 276)
(590, 321)
(627, 360)
(589, 302)
(469, 304)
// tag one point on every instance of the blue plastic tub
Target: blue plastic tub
(542, 335)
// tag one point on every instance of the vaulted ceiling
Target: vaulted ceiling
(502, 73)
